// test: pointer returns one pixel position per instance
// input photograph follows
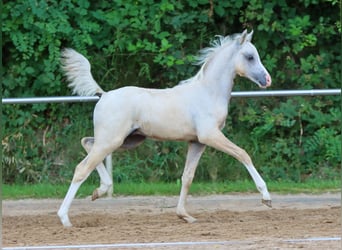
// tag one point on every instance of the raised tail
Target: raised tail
(77, 71)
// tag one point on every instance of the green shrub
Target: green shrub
(153, 44)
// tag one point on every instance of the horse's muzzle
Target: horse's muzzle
(264, 81)
(268, 80)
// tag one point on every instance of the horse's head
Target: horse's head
(248, 62)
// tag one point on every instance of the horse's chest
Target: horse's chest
(217, 112)
(209, 118)
(221, 115)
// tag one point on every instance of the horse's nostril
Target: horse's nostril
(268, 80)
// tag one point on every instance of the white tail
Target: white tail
(77, 70)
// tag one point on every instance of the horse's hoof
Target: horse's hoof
(267, 202)
(187, 218)
(190, 219)
(67, 225)
(65, 221)
(95, 195)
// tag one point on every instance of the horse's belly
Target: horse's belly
(169, 130)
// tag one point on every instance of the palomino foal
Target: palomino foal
(194, 111)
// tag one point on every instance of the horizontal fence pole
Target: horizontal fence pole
(279, 93)
(264, 93)
(53, 99)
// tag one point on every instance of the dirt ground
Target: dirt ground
(239, 220)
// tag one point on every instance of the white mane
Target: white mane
(206, 54)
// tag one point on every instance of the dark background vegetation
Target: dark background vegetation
(153, 44)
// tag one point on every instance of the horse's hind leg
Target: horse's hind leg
(106, 181)
(82, 171)
(195, 151)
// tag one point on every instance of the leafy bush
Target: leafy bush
(153, 44)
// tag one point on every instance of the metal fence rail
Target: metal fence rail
(51, 99)
(264, 93)
(277, 93)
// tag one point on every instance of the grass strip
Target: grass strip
(46, 190)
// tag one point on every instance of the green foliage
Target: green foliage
(304, 137)
(153, 44)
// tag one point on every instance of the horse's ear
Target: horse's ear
(249, 37)
(243, 37)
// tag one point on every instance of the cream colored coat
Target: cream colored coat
(194, 111)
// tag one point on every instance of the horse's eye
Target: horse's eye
(249, 58)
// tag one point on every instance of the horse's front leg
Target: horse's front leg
(105, 181)
(194, 154)
(216, 139)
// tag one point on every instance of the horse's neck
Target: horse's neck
(219, 76)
